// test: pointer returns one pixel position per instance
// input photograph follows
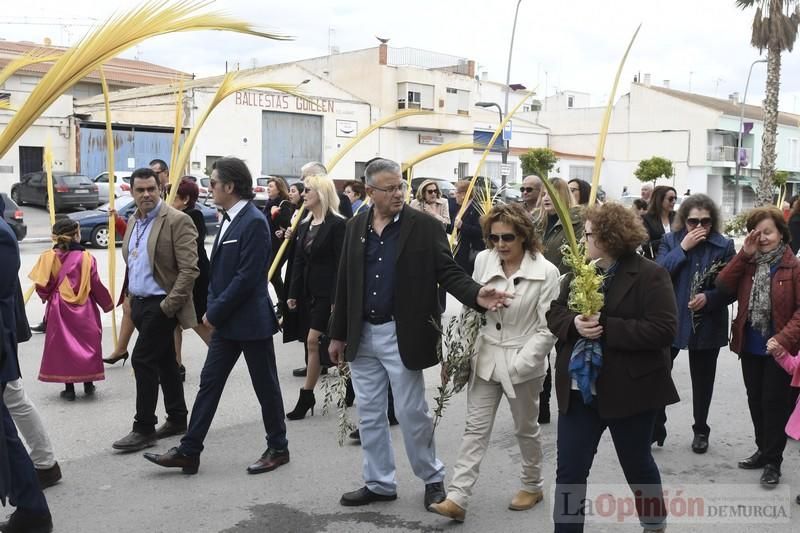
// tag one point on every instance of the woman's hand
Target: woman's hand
(750, 246)
(774, 347)
(589, 327)
(288, 233)
(291, 303)
(698, 302)
(693, 238)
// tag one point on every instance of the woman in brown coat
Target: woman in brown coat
(628, 378)
(765, 277)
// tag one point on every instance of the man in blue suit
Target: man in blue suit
(19, 480)
(242, 318)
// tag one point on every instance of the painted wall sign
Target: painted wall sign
(346, 128)
(285, 102)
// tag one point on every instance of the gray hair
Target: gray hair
(313, 168)
(378, 166)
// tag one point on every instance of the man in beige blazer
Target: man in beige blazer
(160, 250)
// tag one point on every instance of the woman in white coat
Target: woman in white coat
(510, 357)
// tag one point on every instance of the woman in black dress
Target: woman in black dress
(186, 200)
(318, 245)
(278, 211)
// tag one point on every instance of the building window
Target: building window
(581, 172)
(414, 96)
(450, 90)
(570, 101)
(5, 98)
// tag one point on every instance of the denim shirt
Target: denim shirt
(140, 276)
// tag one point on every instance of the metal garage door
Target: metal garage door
(289, 141)
(133, 148)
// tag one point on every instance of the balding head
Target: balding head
(313, 168)
(531, 189)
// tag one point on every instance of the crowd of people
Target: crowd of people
(341, 289)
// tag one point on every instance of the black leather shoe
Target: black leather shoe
(434, 493)
(22, 521)
(753, 462)
(300, 372)
(175, 459)
(364, 496)
(271, 460)
(700, 443)
(48, 476)
(659, 436)
(41, 327)
(771, 476)
(169, 428)
(797, 499)
(356, 436)
(134, 441)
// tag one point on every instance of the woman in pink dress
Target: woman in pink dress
(66, 278)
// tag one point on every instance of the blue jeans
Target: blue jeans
(579, 432)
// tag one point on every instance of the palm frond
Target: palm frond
(601, 141)
(489, 145)
(441, 149)
(36, 56)
(120, 32)
(112, 237)
(48, 169)
(176, 133)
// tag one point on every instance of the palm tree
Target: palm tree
(774, 28)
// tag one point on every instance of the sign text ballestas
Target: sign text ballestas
(284, 102)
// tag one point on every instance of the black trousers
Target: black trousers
(153, 361)
(222, 356)
(579, 432)
(771, 399)
(547, 387)
(703, 372)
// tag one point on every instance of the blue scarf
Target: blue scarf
(587, 354)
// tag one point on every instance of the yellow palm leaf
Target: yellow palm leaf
(601, 142)
(437, 150)
(33, 57)
(119, 33)
(112, 221)
(176, 134)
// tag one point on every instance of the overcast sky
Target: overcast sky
(699, 45)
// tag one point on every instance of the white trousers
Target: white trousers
(483, 397)
(29, 424)
(377, 364)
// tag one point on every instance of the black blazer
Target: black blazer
(423, 261)
(655, 232)
(640, 321)
(314, 274)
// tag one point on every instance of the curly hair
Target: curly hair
(696, 201)
(760, 214)
(515, 216)
(616, 229)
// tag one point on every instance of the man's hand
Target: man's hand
(336, 351)
(698, 302)
(492, 299)
(206, 322)
(291, 303)
(693, 238)
(589, 327)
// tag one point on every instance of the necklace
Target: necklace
(139, 229)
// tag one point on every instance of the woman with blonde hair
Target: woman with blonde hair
(429, 200)
(511, 350)
(318, 245)
(66, 278)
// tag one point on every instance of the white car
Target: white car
(122, 180)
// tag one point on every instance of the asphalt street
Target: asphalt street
(104, 491)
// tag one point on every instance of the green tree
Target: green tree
(654, 168)
(539, 161)
(775, 28)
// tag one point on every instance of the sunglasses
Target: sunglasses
(526, 189)
(505, 237)
(705, 222)
(432, 191)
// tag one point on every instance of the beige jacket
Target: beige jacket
(172, 248)
(439, 210)
(514, 343)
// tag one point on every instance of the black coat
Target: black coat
(423, 262)
(470, 239)
(655, 232)
(639, 320)
(314, 274)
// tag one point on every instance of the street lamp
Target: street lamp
(504, 156)
(737, 192)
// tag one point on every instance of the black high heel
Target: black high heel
(114, 360)
(305, 403)
(659, 436)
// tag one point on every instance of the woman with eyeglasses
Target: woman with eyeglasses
(580, 191)
(659, 218)
(429, 200)
(693, 255)
(764, 277)
(510, 361)
(613, 369)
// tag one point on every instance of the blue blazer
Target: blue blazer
(9, 270)
(239, 306)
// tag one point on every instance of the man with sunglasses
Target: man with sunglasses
(531, 189)
(161, 170)
(385, 324)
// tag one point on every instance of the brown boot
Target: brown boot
(525, 500)
(450, 509)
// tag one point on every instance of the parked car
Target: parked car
(206, 194)
(94, 223)
(70, 190)
(446, 186)
(13, 216)
(122, 184)
(260, 191)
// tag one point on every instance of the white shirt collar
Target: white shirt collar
(237, 207)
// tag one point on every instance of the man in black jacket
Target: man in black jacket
(385, 324)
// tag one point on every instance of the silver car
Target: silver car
(122, 180)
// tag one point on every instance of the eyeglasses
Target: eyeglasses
(526, 189)
(402, 187)
(694, 222)
(505, 237)
(587, 234)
